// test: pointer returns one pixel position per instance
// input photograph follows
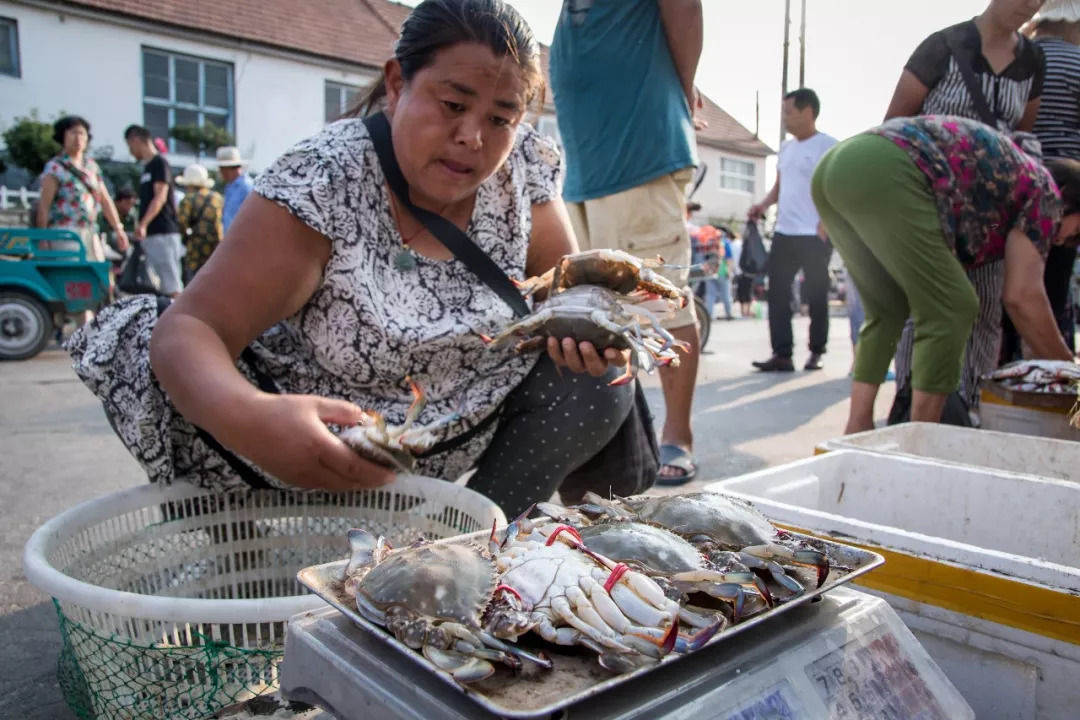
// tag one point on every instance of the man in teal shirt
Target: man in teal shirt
(622, 73)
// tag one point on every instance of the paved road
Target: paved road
(57, 450)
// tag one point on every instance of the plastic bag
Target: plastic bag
(754, 257)
(136, 276)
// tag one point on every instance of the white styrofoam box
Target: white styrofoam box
(1027, 421)
(981, 564)
(1018, 525)
(1024, 454)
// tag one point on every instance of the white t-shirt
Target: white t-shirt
(796, 214)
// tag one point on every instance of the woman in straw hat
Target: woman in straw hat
(199, 216)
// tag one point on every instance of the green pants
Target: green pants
(881, 216)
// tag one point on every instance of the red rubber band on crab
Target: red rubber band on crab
(512, 591)
(562, 528)
(616, 573)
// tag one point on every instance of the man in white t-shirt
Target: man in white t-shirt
(799, 240)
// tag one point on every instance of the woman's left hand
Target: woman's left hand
(584, 357)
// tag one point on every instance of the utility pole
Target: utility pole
(757, 113)
(783, 83)
(802, 48)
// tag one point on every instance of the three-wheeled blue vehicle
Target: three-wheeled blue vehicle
(44, 276)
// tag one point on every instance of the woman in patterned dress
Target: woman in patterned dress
(1009, 70)
(914, 204)
(199, 216)
(340, 294)
(72, 191)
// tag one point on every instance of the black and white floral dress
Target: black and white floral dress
(369, 325)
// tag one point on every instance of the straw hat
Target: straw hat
(229, 156)
(1055, 10)
(195, 175)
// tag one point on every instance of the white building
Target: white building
(263, 70)
(270, 71)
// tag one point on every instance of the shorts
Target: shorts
(646, 221)
(163, 253)
(744, 287)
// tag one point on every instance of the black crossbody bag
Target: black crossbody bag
(632, 457)
(628, 463)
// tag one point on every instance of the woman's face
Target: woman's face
(1014, 13)
(454, 122)
(76, 138)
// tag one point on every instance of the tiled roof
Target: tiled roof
(360, 32)
(726, 133)
(353, 31)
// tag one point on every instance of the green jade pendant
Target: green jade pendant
(404, 260)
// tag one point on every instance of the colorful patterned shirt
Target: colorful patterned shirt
(199, 216)
(76, 203)
(985, 186)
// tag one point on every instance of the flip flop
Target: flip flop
(674, 456)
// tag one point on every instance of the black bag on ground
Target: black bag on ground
(136, 276)
(956, 410)
(754, 257)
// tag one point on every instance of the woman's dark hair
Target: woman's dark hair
(437, 24)
(1066, 173)
(61, 126)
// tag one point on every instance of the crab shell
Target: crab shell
(441, 582)
(655, 549)
(613, 269)
(719, 518)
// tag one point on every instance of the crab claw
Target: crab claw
(486, 339)
(625, 378)
(690, 643)
(516, 527)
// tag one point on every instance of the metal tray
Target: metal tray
(576, 674)
(1025, 398)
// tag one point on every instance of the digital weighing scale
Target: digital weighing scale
(847, 655)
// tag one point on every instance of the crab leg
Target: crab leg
(593, 596)
(539, 659)
(807, 558)
(417, 406)
(463, 668)
(561, 607)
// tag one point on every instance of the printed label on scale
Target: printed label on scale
(873, 678)
(775, 703)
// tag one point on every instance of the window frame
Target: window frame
(12, 27)
(727, 175)
(201, 108)
(343, 104)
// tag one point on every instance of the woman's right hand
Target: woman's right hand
(287, 436)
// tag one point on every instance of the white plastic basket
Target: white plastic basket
(173, 600)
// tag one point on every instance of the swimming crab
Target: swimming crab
(591, 313)
(396, 446)
(580, 597)
(615, 270)
(670, 560)
(1050, 376)
(445, 600)
(716, 523)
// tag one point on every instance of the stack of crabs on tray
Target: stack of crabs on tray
(631, 579)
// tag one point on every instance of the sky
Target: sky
(854, 53)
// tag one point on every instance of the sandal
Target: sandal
(675, 457)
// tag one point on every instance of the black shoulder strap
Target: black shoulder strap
(974, 88)
(445, 231)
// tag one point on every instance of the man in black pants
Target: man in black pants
(799, 240)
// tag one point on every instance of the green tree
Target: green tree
(30, 143)
(203, 140)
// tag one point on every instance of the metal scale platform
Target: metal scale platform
(847, 655)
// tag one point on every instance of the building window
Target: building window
(9, 47)
(339, 99)
(184, 90)
(737, 175)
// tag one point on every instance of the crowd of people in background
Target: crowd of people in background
(178, 222)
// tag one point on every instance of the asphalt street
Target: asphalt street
(57, 450)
